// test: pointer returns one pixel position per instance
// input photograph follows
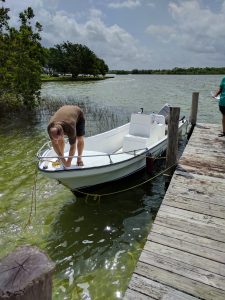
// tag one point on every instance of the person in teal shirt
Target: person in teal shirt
(221, 92)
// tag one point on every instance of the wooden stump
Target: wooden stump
(26, 274)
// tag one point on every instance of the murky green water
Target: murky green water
(95, 244)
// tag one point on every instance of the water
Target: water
(148, 91)
(95, 244)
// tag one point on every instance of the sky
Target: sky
(135, 34)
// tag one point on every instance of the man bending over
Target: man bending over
(68, 120)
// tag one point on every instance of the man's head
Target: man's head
(56, 132)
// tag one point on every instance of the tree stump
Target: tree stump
(26, 274)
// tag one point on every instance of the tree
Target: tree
(102, 67)
(21, 64)
(75, 59)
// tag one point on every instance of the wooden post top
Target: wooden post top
(20, 269)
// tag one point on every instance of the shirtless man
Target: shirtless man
(68, 120)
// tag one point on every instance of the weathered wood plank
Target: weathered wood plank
(183, 284)
(190, 226)
(166, 233)
(194, 190)
(183, 245)
(134, 295)
(195, 217)
(185, 258)
(197, 178)
(155, 289)
(197, 206)
(203, 168)
(177, 266)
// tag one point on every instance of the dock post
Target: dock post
(26, 274)
(172, 144)
(194, 108)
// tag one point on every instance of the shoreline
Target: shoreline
(44, 79)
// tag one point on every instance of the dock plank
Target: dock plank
(183, 257)
(193, 243)
(197, 206)
(187, 225)
(155, 290)
(134, 295)
(195, 217)
(176, 281)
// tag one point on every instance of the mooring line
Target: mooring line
(33, 198)
(123, 190)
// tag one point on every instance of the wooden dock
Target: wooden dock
(184, 256)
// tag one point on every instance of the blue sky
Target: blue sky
(128, 34)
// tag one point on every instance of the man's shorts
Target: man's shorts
(222, 109)
(80, 127)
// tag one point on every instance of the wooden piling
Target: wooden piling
(26, 274)
(194, 108)
(172, 144)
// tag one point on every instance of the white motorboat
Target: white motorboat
(110, 155)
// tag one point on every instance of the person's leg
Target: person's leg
(222, 110)
(80, 148)
(223, 123)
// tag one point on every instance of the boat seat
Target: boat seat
(139, 132)
(131, 143)
(140, 125)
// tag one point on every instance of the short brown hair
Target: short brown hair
(55, 130)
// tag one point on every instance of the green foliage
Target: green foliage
(21, 60)
(74, 59)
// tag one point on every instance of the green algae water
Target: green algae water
(95, 244)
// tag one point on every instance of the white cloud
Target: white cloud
(164, 33)
(196, 29)
(125, 4)
(193, 33)
(112, 43)
(199, 29)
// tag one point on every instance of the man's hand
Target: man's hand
(65, 163)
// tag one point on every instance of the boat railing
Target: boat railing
(42, 156)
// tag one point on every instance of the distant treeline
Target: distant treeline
(178, 71)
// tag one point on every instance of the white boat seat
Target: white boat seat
(140, 125)
(131, 143)
(139, 132)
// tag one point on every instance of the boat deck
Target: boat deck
(184, 256)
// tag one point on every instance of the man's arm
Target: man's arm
(218, 92)
(58, 146)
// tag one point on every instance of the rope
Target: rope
(33, 199)
(99, 196)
